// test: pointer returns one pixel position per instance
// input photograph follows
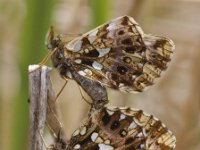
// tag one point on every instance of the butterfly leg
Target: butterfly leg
(58, 94)
(87, 101)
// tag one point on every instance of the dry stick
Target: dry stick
(43, 108)
(37, 106)
(41, 96)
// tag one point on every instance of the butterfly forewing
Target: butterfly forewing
(122, 129)
(119, 55)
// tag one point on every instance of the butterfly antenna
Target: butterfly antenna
(73, 35)
(44, 60)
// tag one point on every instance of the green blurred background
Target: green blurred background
(175, 99)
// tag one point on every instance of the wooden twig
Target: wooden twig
(42, 106)
(42, 109)
(37, 105)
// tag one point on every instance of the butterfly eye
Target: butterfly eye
(60, 57)
(57, 56)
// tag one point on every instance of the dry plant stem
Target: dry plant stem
(37, 106)
(42, 107)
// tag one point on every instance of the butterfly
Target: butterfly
(113, 128)
(95, 90)
(117, 54)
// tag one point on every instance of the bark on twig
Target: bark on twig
(42, 109)
(42, 106)
(37, 106)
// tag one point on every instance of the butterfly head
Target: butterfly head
(55, 46)
(52, 39)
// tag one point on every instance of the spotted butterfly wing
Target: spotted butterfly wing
(119, 55)
(122, 129)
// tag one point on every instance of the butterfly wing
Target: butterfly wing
(119, 55)
(122, 129)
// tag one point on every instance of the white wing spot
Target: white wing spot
(156, 119)
(124, 133)
(103, 51)
(148, 115)
(107, 142)
(132, 20)
(140, 30)
(133, 77)
(83, 130)
(82, 73)
(86, 50)
(76, 132)
(92, 36)
(77, 146)
(140, 134)
(69, 74)
(149, 43)
(78, 61)
(97, 65)
(121, 85)
(122, 116)
(78, 45)
(163, 125)
(88, 72)
(133, 125)
(111, 26)
(105, 147)
(110, 112)
(142, 146)
(99, 140)
(94, 136)
(74, 46)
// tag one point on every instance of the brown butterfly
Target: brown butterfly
(116, 54)
(121, 129)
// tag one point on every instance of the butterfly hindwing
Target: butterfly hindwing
(122, 129)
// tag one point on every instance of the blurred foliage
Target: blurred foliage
(99, 11)
(168, 100)
(31, 50)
